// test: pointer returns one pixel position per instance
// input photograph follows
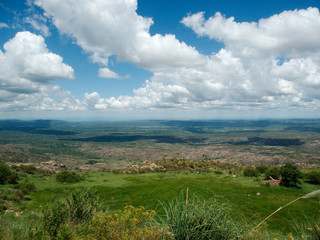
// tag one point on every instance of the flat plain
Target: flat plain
(110, 145)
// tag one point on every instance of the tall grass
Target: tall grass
(12, 227)
(190, 218)
(64, 219)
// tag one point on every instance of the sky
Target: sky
(148, 59)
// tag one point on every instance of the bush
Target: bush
(54, 216)
(313, 177)
(261, 169)
(61, 219)
(272, 172)
(27, 187)
(290, 175)
(131, 223)
(28, 169)
(82, 204)
(12, 179)
(5, 171)
(68, 177)
(250, 172)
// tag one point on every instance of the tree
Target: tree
(290, 175)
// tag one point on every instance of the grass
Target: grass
(191, 218)
(151, 190)
(156, 190)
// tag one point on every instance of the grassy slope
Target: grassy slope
(150, 190)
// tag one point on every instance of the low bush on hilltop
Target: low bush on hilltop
(250, 172)
(28, 169)
(69, 177)
(290, 174)
(262, 168)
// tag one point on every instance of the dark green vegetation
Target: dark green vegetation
(290, 174)
(69, 177)
(5, 172)
(250, 172)
(313, 177)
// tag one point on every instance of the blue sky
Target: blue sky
(118, 60)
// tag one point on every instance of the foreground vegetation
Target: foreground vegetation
(172, 204)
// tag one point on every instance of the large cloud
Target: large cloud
(27, 71)
(291, 33)
(273, 63)
(105, 28)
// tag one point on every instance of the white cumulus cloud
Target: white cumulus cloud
(27, 71)
(291, 33)
(107, 73)
(104, 28)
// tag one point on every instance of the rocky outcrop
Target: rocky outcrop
(52, 166)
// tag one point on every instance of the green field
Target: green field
(152, 190)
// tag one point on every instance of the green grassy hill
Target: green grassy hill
(247, 197)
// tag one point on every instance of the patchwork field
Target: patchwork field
(102, 145)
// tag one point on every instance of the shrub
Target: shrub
(27, 187)
(68, 177)
(61, 219)
(250, 172)
(313, 177)
(290, 175)
(18, 196)
(131, 223)
(54, 216)
(28, 169)
(12, 179)
(90, 162)
(261, 169)
(82, 204)
(5, 171)
(273, 172)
